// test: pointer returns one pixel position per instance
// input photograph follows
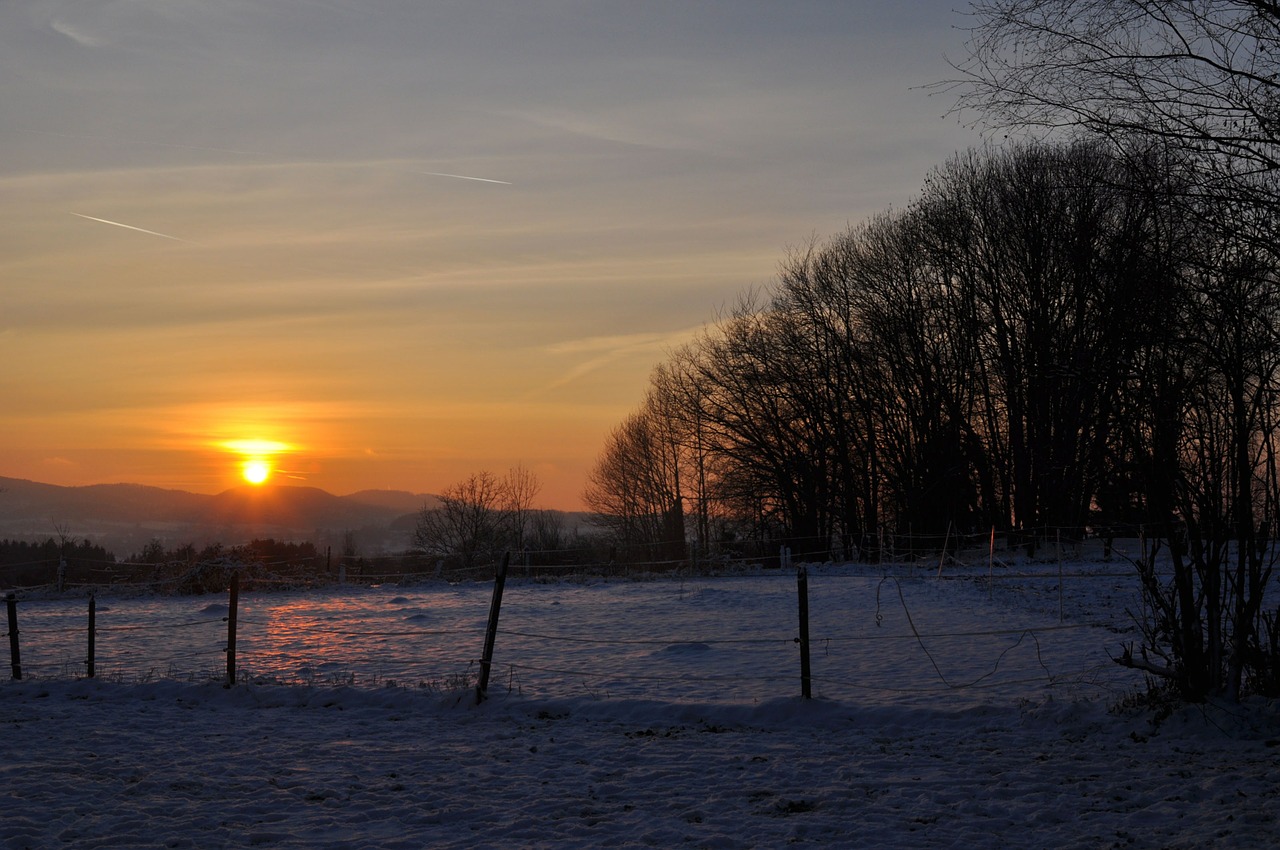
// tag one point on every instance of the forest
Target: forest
(1041, 341)
(1071, 332)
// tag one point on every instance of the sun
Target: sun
(257, 460)
(256, 471)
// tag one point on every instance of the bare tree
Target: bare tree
(1200, 75)
(767, 415)
(635, 483)
(898, 407)
(1041, 251)
(1211, 480)
(478, 518)
(467, 525)
(1198, 82)
(952, 366)
(547, 531)
(519, 487)
(672, 400)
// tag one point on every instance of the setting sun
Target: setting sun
(258, 457)
(256, 471)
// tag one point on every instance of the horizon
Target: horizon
(241, 485)
(265, 487)
(391, 249)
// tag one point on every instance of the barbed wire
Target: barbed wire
(650, 677)
(913, 635)
(644, 642)
(1052, 681)
(399, 666)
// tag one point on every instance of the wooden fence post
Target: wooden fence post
(946, 541)
(233, 604)
(1059, 548)
(93, 624)
(14, 655)
(991, 560)
(491, 633)
(802, 590)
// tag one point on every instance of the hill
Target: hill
(124, 517)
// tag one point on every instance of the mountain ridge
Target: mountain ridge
(125, 516)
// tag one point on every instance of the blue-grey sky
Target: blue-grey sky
(407, 240)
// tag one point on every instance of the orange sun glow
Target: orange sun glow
(256, 470)
(257, 458)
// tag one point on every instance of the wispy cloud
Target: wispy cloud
(601, 351)
(75, 34)
(152, 142)
(621, 343)
(604, 125)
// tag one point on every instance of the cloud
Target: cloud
(76, 34)
(602, 351)
(600, 125)
(622, 343)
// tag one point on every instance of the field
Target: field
(949, 710)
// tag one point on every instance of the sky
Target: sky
(391, 243)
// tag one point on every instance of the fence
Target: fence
(212, 574)
(895, 634)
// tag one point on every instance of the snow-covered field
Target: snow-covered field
(947, 712)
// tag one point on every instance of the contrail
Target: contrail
(241, 152)
(463, 177)
(130, 227)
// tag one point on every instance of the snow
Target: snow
(949, 712)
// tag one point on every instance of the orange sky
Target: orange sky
(222, 222)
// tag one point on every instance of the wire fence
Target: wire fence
(909, 630)
(954, 549)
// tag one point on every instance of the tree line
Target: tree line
(31, 562)
(1076, 330)
(1035, 342)
(187, 568)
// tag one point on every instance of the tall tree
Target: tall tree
(1037, 252)
(1197, 81)
(764, 408)
(635, 484)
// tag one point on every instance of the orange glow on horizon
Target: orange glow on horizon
(202, 448)
(257, 448)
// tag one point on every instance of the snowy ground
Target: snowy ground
(950, 713)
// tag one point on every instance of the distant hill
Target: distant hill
(124, 517)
